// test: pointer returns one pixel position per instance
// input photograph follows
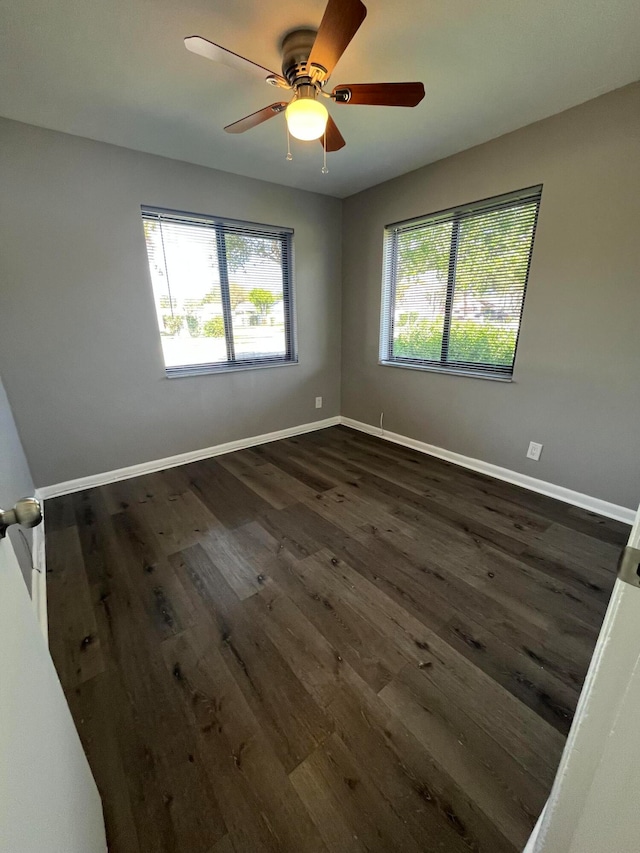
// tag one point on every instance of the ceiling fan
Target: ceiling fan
(308, 58)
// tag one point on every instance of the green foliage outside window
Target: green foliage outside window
(173, 323)
(262, 299)
(469, 341)
(213, 328)
(193, 324)
(456, 284)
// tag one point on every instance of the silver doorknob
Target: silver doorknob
(26, 512)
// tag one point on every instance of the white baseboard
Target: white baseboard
(600, 507)
(596, 505)
(39, 578)
(93, 480)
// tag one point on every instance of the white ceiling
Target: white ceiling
(117, 70)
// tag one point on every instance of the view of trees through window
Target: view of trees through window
(221, 293)
(455, 287)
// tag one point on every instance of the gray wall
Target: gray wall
(577, 371)
(15, 480)
(88, 388)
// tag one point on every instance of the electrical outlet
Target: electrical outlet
(318, 402)
(534, 450)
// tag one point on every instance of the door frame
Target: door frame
(39, 577)
(49, 797)
(592, 807)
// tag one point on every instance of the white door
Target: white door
(49, 802)
(593, 807)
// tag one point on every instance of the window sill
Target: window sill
(205, 369)
(450, 371)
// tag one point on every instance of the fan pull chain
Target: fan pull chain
(325, 171)
(289, 154)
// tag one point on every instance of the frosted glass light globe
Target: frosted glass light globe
(306, 118)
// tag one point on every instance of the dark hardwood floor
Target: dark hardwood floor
(325, 643)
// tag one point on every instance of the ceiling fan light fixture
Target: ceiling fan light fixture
(306, 118)
(308, 59)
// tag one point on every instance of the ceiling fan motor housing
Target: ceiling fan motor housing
(296, 48)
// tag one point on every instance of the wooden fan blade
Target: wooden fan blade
(212, 51)
(254, 119)
(340, 22)
(335, 140)
(379, 94)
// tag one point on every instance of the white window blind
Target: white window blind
(454, 285)
(222, 290)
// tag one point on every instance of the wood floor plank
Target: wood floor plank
(589, 579)
(355, 638)
(431, 473)
(307, 450)
(325, 643)
(442, 472)
(172, 799)
(302, 532)
(76, 643)
(552, 697)
(294, 724)
(171, 792)
(414, 785)
(352, 805)
(345, 508)
(516, 729)
(94, 524)
(123, 494)
(240, 555)
(303, 469)
(515, 671)
(582, 547)
(149, 573)
(225, 845)
(337, 834)
(60, 513)
(525, 591)
(89, 703)
(176, 518)
(223, 494)
(507, 520)
(260, 807)
(267, 480)
(510, 804)
(436, 597)
(307, 651)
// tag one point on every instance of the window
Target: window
(222, 291)
(454, 286)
